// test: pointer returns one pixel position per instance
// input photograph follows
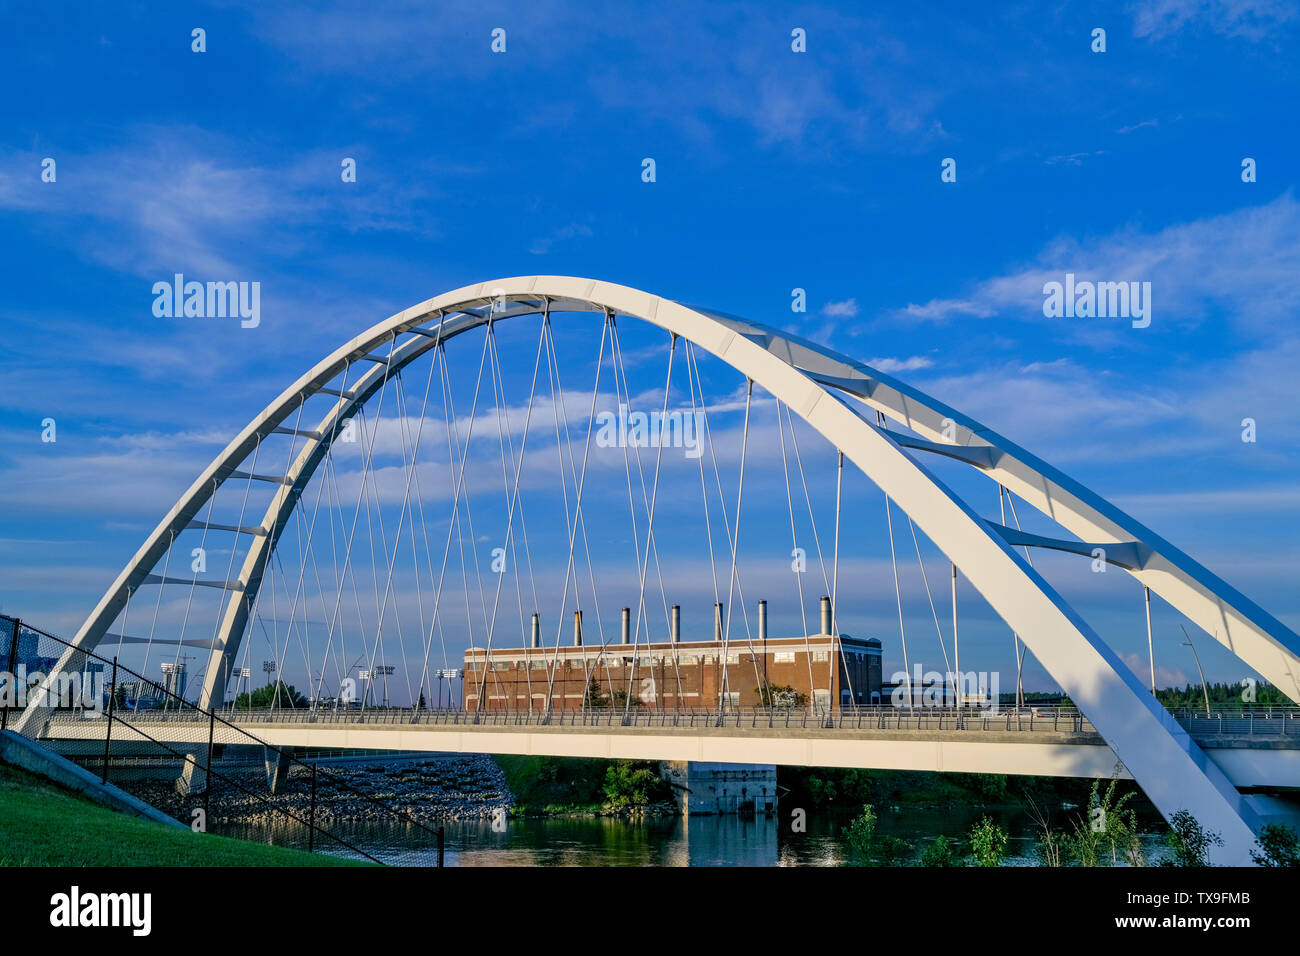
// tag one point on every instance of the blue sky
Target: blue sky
(775, 170)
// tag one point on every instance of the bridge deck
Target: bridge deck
(1061, 744)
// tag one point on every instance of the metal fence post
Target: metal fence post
(108, 732)
(12, 687)
(311, 818)
(207, 773)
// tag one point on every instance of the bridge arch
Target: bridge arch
(838, 398)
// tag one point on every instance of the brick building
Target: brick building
(820, 670)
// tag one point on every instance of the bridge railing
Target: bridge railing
(1053, 720)
(1263, 721)
(216, 773)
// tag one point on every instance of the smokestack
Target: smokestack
(537, 629)
(762, 620)
(627, 625)
(717, 621)
(826, 615)
(677, 623)
(577, 628)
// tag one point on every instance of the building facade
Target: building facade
(820, 672)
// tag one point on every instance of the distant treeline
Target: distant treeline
(851, 788)
(1190, 697)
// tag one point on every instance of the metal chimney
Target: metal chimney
(627, 625)
(826, 615)
(717, 621)
(577, 628)
(677, 623)
(537, 629)
(762, 620)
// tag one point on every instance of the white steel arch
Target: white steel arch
(831, 393)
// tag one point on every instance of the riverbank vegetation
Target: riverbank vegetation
(553, 786)
(829, 787)
(1103, 832)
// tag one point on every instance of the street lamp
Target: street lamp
(1204, 689)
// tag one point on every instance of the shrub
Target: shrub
(939, 853)
(1189, 841)
(988, 843)
(1279, 846)
(861, 832)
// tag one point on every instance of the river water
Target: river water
(697, 841)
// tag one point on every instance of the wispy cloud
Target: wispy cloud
(845, 309)
(184, 199)
(544, 244)
(1250, 19)
(669, 70)
(1243, 263)
(1124, 130)
(1073, 159)
(910, 364)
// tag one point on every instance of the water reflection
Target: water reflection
(697, 841)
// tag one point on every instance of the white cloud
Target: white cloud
(182, 199)
(845, 309)
(890, 365)
(1165, 676)
(1250, 19)
(1242, 262)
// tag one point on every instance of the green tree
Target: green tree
(992, 787)
(939, 853)
(861, 832)
(988, 843)
(1189, 841)
(1278, 846)
(596, 697)
(780, 696)
(892, 850)
(265, 696)
(631, 784)
(1110, 825)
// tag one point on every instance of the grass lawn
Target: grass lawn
(42, 824)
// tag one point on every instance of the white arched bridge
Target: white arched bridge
(461, 501)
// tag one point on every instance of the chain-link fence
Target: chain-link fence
(192, 764)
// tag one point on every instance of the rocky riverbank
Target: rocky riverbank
(427, 790)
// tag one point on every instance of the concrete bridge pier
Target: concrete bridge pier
(277, 763)
(193, 778)
(705, 788)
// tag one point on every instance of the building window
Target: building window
(783, 657)
(820, 656)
